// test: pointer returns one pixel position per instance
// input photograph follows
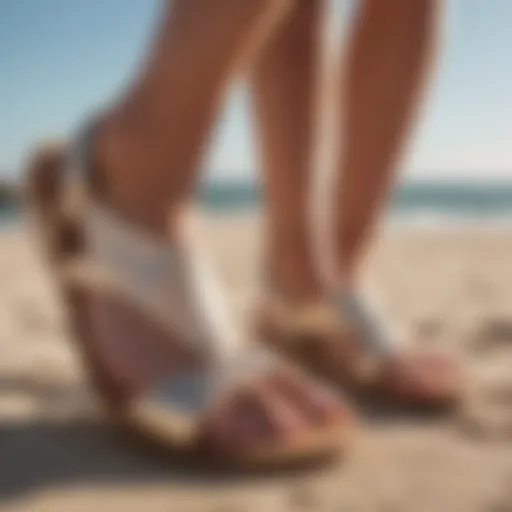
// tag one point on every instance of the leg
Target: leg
(146, 150)
(152, 141)
(387, 68)
(284, 82)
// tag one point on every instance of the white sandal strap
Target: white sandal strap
(367, 322)
(172, 284)
(192, 392)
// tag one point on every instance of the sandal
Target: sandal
(343, 342)
(229, 403)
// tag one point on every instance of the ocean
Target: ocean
(411, 203)
(427, 203)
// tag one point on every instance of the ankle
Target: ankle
(124, 182)
(294, 278)
(342, 281)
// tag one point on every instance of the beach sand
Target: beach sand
(451, 288)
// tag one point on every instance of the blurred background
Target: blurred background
(60, 59)
(442, 264)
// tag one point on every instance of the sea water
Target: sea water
(416, 203)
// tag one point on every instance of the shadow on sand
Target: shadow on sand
(46, 454)
(41, 454)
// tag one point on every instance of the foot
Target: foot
(128, 353)
(340, 340)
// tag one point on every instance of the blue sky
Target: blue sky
(59, 58)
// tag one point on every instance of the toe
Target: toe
(430, 377)
(250, 418)
(317, 404)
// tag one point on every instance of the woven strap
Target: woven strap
(299, 322)
(323, 323)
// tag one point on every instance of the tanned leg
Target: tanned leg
(284, 85)
(387, 68)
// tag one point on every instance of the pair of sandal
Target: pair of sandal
(200, 389)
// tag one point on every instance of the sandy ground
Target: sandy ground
(448, 288)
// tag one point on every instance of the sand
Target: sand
(451, 288)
